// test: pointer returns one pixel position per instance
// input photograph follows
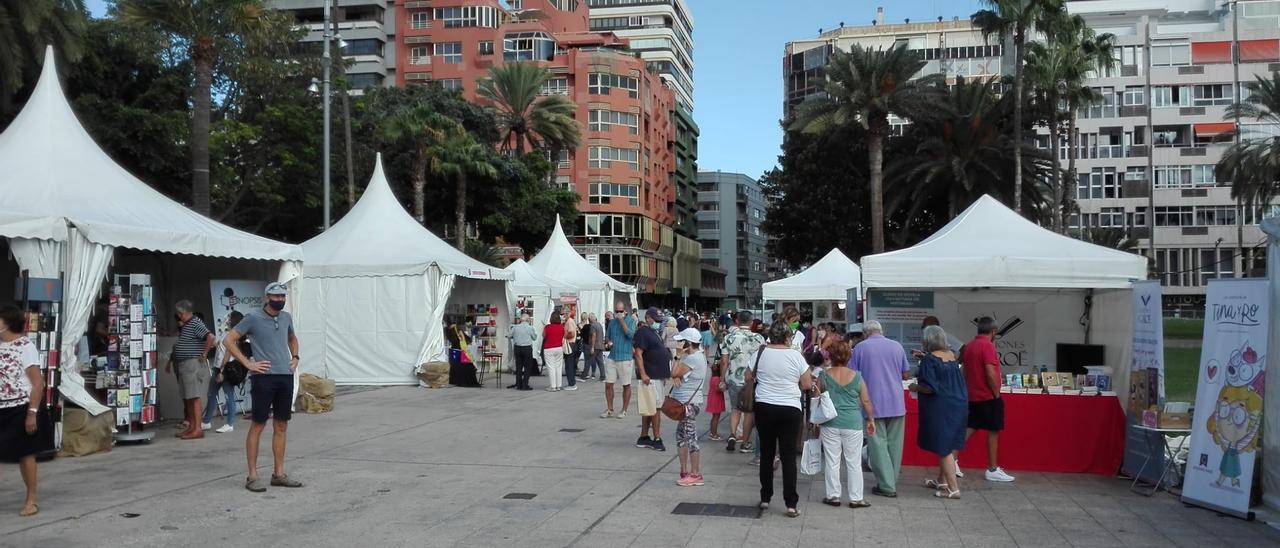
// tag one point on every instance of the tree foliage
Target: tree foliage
(26, 28)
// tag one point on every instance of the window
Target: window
(1135, 173)
(450, 51)
(486, 47)
(528, 46)
(709, 225)
(603, 157)
(1175, 216)
(609, 23)
(1170, 96)
(600, 120)
(419, 20)
(1173, 176)
(1212, 94)
(1204, 175)
(604, 192)
(1111, 217)
(364, 80)
(1133, 95)
(1216, 263)
(419, 56)
(363, 46)
(451, 84)
(467, 16)
(1101, 182)
(599, 83)
(555, 86)
(1215, 215)
(1254, 215)
(1170, 54)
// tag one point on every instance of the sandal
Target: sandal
(35, 509)
(859, 504)
(833, 501)
(933, 484)
(947, 494)
(715, 437)
(792, 513)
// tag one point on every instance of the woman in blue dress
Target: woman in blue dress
(944, 409)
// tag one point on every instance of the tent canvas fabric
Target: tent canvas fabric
(829, 279)
(375, 289)
(990, 245)
(543, 291)
(1271, 424)
(65, 206)
(596, 290)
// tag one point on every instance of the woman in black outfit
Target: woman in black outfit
(781, 375)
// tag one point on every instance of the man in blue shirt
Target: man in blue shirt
(618, 368)
(654, 362)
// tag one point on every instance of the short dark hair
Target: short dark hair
(930, 320)
(13, 318)
(704, 326)
(234, 318)
(986, 325)
(744, 316)
(555, 316)
(779, 333)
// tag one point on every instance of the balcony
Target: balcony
(1136, 189)
(346, 25)
(420, 60)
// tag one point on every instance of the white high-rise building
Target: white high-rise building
(661, 30)
(368, 27)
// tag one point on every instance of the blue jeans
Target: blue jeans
(594, 364)
(229, 392)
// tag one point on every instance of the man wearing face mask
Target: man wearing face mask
(653, 360)
(275, 348)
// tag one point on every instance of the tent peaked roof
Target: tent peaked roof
(559, 261)
(53, 173)
(990, 245)
(830, 278)
(379, 238)
(525, 281)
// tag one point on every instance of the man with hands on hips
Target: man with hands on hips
(276, 347)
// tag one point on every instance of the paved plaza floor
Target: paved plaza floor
(405, 466)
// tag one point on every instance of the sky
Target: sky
(738, 47)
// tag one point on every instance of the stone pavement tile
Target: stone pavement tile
(825, 539)
(716, 531)
(770, 535)
(666, 534)
(596, 539)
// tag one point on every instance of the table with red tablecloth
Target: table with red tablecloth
(1043, 433)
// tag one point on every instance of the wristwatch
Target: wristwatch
(295, 356)
(32, 410)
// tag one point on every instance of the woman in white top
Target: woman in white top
(25, 429)
(689, 379)
(781, 373)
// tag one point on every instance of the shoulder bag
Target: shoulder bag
(673, 408)
(747, 396)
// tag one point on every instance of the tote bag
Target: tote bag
(811, 457)
(822, 409)
(647, 400)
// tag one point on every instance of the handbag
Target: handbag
(234, 373)
(747, 395)
(811, 457)
(672, 407)
(822, 409)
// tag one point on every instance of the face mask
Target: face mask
(795, 325)
(276, 305)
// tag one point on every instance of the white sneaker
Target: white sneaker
(551, 389)
(571, 388)
(225, 428)
(998, 475)
(607, 415)
(206, 426)
(622, 415)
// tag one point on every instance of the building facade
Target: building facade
(367, 26)
(625, 170)
(660, 30)
(950, 48)
(1162, 128)
(731, 210)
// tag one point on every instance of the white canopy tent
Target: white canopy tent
(596, 290)
(990, 258)
(375, 291)
(65, 206)
(1271, 424)
(542, 292)
(829, 279)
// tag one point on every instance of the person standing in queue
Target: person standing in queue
(523, 337)
(620, 367)
(275, 349)
(190, 356)
(653, 360)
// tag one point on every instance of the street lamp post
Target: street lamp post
(326, 62)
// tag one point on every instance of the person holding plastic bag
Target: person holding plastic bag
(780, 374)
(842, 434)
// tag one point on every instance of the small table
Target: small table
(491, 361)
(1169, 455)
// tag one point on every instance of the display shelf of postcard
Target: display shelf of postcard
(43, 331)
(1094, 383)
(129, 375)
(482, 320)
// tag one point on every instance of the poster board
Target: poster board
(243, 296)
(1227, 425)
(1142, 454)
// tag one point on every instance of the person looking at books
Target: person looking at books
(220, 382)
(944, 409)
(572, 352)
(25, 429)
(275, 349)
(190, 355)
(883, 364)
(553, 344)
(523, 336)
(843, 434)
(595, 361)
(986, 408)
(780, 375)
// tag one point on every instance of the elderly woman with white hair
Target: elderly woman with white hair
(944, 409)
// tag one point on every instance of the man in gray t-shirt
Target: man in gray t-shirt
(275, 349)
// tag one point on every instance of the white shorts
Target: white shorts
(619, 372)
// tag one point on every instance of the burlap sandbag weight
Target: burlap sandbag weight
(84, 434)
(315, 395)
(435, 374)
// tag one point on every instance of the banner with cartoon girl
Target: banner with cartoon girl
(1226, 435)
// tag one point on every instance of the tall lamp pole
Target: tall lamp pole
(326, 63)
(1237, 97)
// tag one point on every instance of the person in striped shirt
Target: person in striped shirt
(190, 354)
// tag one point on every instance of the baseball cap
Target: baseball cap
(277, 288)
(653, 312)
(689, 335)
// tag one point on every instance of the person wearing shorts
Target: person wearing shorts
(275, 348)
(981, 364)
(738, 353)
(618, 368)
(189, 352)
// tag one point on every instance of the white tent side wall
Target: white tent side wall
(1271, 423)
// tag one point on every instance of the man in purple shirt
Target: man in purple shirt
(883, 364)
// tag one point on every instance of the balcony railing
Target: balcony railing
(345, 25)
(424, 60)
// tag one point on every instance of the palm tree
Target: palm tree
(209, 31)
(1114, 238)
(513, 91)
(460, 156)
(26, 27)
(1015, 18)
(1097, 52)
(963, 153)
(426, 129)
(1253, 164)
(864, 87)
